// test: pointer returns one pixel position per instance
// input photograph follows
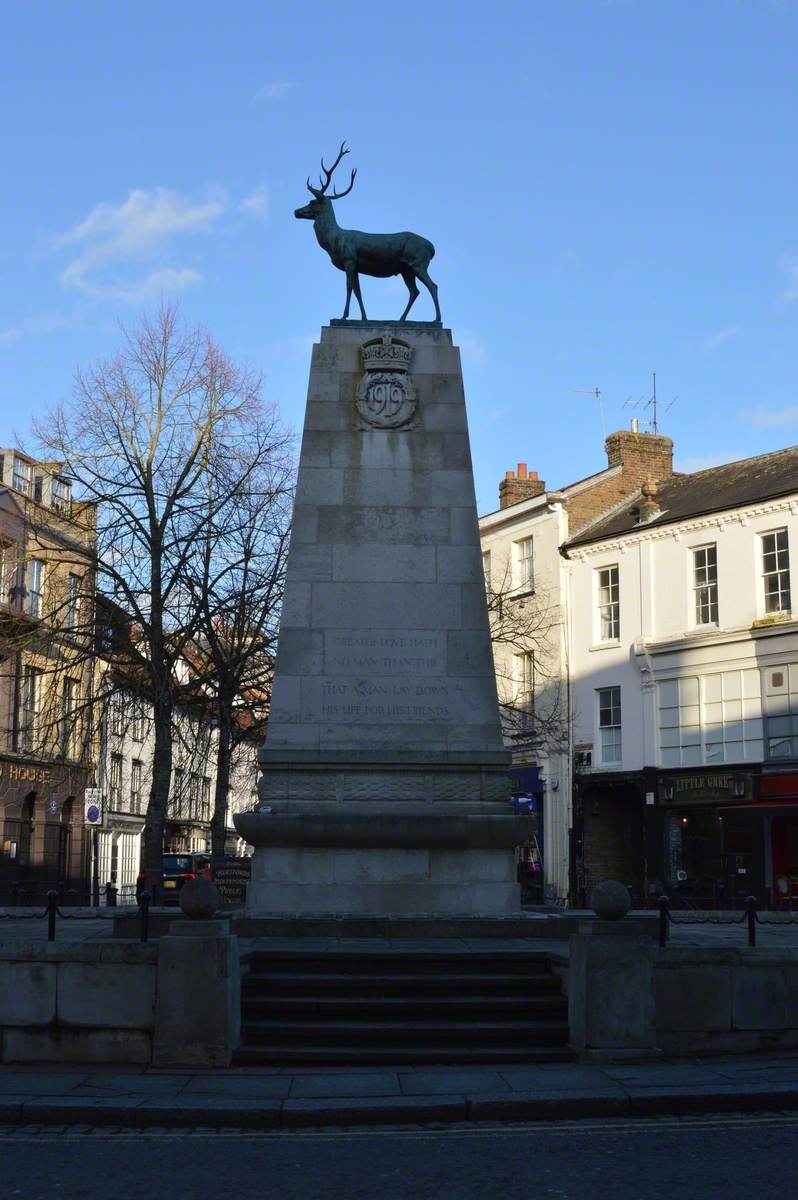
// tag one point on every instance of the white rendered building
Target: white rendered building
(684, 684)
(528, 580)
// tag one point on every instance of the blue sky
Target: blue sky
(611, 187)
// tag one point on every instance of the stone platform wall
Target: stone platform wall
(174, 1002)
(725, 1000)
(77, 1002)
(627, 996)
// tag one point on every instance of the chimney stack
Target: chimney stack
(641, 456)
(523, 486)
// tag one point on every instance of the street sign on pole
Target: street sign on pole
(93, 807)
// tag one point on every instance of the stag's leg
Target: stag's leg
(432, 288)
(348, 298)
(356, 285)
(412, 288)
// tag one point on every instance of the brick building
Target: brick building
(46, 755)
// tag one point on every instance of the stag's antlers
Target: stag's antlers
(328, 171)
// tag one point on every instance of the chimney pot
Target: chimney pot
(510, 475)
(533, 474)
(522, 470)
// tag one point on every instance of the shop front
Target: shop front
(43, 839)
(707, 842)
(779, 806)
(607, 836)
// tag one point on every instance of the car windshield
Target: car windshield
(176, 862)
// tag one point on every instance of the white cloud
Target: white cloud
(720, 336)
(278, 89)
(256, 204)
(789, 265)
(140, 230)
(774, 418)
(32, 327)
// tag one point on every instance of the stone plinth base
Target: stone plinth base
(373, 859)
(316, 880)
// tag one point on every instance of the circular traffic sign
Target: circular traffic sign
(92, 814)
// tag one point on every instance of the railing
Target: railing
(52, 912)
(749, 917)
(32, 892)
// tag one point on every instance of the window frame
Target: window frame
(71, 610)
(777, 572)
(524, 564)
(116, 771)
(30, 704)
(524, 672)
(22, 476)
(611, 604)
(136, 784)
(614, 709)
(137, 720)
(486, 570)
(69, 723)
(709, 585)
(34, 596)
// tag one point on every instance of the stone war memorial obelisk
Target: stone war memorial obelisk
(384, 786)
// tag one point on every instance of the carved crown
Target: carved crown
(386, 353)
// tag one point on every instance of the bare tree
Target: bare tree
(237, 580)
(151, 437)
(527, 632)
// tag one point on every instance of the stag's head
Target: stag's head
(320, 198)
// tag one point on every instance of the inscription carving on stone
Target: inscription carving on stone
(367, 700)
(386, 397)
(379, 653)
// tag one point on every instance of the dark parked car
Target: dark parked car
(177, 870)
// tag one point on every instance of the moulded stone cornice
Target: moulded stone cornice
(678, 530)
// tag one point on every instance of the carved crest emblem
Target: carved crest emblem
(386, 397)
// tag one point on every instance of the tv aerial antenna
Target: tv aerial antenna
(597, 393)
(652, 404)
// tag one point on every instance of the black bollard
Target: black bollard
(664, 916)
(750, 908)
(52, 909)
(144, 909)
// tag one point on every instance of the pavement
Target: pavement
(281, 1099)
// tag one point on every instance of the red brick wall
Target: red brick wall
(641, 456)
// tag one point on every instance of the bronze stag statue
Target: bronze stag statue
(380, 254)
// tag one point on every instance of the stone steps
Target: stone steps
(414, 985)
(417, 1032)
(256, 1007)
(341, 1006)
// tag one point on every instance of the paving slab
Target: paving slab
(383, 1083)
(563, 1078)
(39, 1083)
(659, 1074)
(434, 1083)
(130, 1085)
(267, 1087)
(776, 1074)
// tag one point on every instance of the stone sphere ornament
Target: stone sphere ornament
(200, 899)
(610, 900)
